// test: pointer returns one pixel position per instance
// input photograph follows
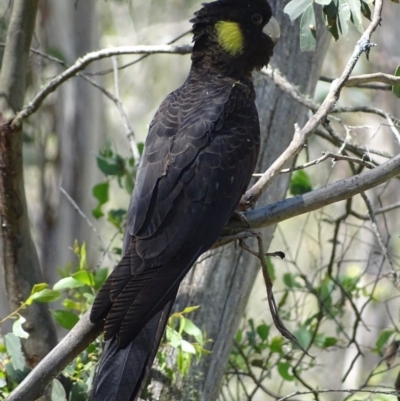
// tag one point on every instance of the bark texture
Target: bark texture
(18, 257)
(222, 282)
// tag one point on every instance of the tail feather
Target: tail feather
(123, 371)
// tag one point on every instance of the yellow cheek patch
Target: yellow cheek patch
(230, 37)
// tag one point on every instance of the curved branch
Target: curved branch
(82, 63)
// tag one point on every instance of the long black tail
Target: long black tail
(123, 371)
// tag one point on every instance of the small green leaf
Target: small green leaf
(13, 344)
(100, 276)
(173, 337)
(191, 329)
(45, 296)
(190, 309)
(283, 369)
(100, 192)
(300, 183)
(330, 16)
(186, 346)
(116, 217)
(57, 391)
(290, 281)
(396, 88)
(330, 342)
(263, 331)
(114, 165)
(383, 338)
(365, 10)
(39, 287)
(65, 319)
(17, 328)
(67, 283)
(276, 345)
(85, 277)
(295, 8)
(308, 31)
(304, 336)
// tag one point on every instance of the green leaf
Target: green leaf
(114, 165)
(100, 276)
(129, 184)
(330, 16)
(383, 338)
(39, 287)
(65, 319)
(304, 336)
(116, 217)
(17, 328)
(78, 392)
(263, 331)
(191, 329)
(300, 183)
(295, 8)
(283, 369)
(396, 88)
(173, 337)
(57, 391)
(85, 277)
(330, 342)
(13, 344)
(308, 31)
(344, 17)
(276, 345)
(45, 296)
(67, 283)
(356, 15)
(323, 2)
(186, 346)
(190, 309)
(100, 192)
(365, 10)
(290, 281)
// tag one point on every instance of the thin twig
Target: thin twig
(382, 245)
(301, 135)
(325, 156)
(129, 131)
(81, 213)
(82, 63)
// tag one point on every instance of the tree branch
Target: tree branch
(83, 62)
(301, 135)
(84, 331)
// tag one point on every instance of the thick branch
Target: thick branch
(84, 332)
(340, 190)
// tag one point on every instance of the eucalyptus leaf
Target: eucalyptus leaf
(296, 7)
(57, 391)
(13, 344)
(355, 8)
(308, 40)
(344, 15)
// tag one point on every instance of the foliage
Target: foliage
(76, 291)
(337, 15)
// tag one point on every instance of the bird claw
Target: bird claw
(241, 217)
